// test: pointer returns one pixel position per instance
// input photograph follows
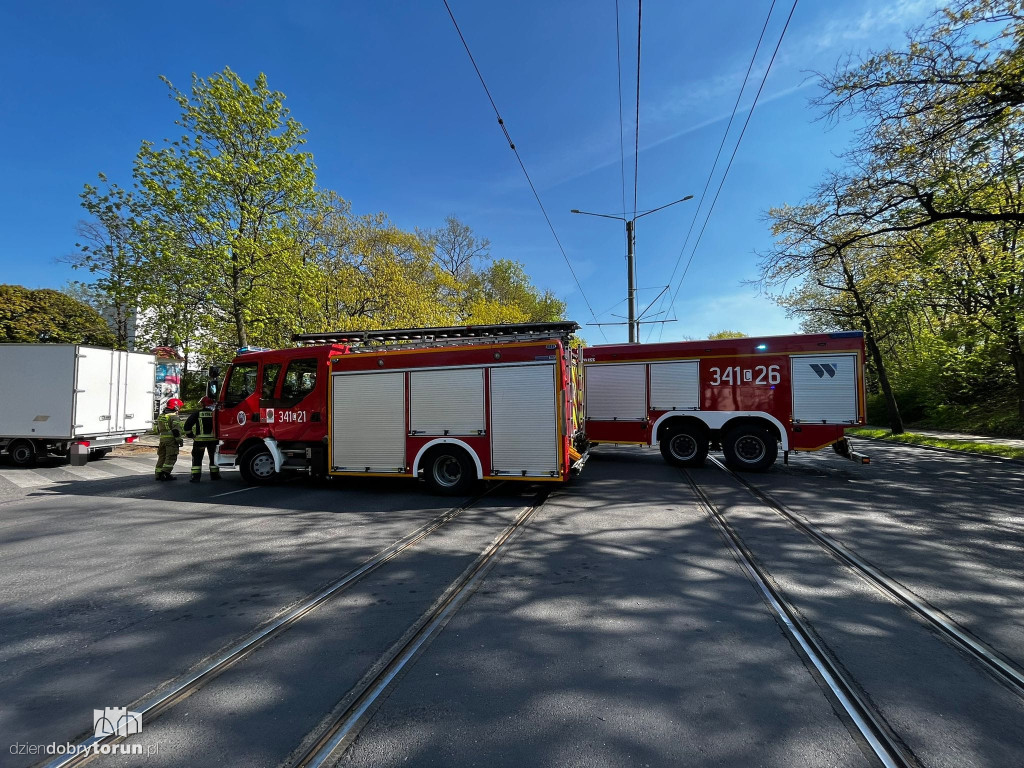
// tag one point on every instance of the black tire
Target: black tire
(22, 453)
(684, 447)
(257, 466)
(448, 471)
(750, 448)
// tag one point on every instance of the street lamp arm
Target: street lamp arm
(602, 215)
(666, 205)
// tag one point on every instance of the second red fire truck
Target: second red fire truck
(748, 396)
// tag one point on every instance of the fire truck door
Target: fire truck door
(824, 389)
(524, 423)
(240, 402)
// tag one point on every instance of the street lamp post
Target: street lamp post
(631, 258)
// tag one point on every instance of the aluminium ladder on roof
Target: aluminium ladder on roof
(442, 336)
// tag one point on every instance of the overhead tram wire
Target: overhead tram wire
(636, 147)
(526, 173)
(618, 73)
(732, 157)
(718, 155)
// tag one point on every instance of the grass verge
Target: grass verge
(990, 449)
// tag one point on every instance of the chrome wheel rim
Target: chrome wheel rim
(683, 446)
(447, 471)
(751, 448)
(262, 466)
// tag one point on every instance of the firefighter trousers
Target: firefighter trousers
(166, 455)
(198, 449)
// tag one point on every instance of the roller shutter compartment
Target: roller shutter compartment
(368, 422)
(447, 402)
(524, 428)
(824, 389)
(675, 386)
(616, 392)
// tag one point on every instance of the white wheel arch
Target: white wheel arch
(449, 441)
(715, 420)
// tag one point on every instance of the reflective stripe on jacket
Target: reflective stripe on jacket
(203, 429)
(167, 425)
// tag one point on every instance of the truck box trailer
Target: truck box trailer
(55, 395)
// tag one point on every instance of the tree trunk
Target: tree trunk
(1017, 356)
(895, 420)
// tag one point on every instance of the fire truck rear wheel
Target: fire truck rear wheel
(257, 466)
(448, 471)
(684, 448)
(750, 448)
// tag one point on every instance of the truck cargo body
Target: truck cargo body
(748, 396)
(53, 395)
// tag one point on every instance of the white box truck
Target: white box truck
(53, 396)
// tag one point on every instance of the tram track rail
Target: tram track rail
(209, 669)
(880, 738)
(359, 704)
(999, 666)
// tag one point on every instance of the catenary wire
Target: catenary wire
(718, 155)
(636, 146)
(618, 73)
(732, 157)
(522, 165)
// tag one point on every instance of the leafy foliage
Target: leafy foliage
(917, 242)
(45, 316)
(223, 240)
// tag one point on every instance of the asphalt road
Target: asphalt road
(617, 630)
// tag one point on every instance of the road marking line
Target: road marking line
(132, 466)
(88, 473)
(25, 478)
(242, 490)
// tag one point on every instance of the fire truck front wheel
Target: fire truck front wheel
(684, 447)
(448, 471)
(750, 448)
(257, 466)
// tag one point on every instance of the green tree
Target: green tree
(45, 316)
(721, 335)
(117, 249)
(226, 198)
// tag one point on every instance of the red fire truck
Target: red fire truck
(448, 405)
(746, 396)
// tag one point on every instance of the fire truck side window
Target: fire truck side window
(299, 381)
(241, 383)
(270, 373)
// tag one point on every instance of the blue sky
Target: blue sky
(398, 122)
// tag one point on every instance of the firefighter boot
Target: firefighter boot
(169, 476)
(215, 475)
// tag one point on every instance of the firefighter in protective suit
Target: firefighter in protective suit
(200, 427)
(168, 426)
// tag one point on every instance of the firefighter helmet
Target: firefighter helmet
(175, 404)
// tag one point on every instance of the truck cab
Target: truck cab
(273, 410)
